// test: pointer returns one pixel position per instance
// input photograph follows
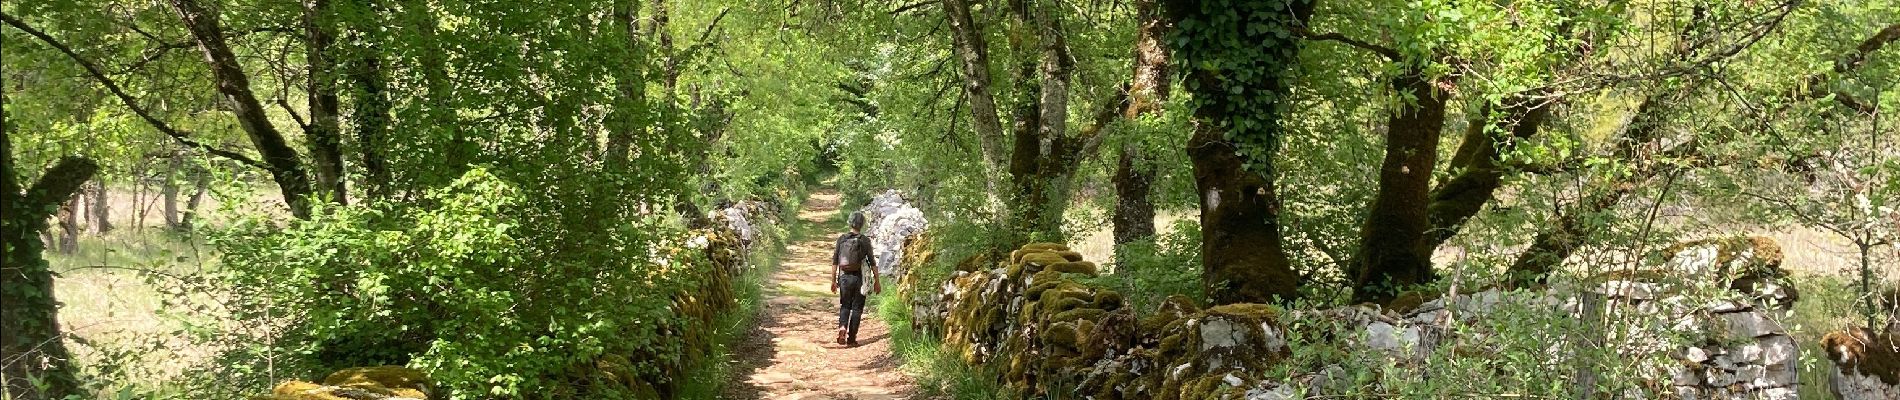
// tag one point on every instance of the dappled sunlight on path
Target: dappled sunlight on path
(790, 354)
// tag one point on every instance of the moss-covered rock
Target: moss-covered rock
(1860, 352)
(1074, 267)
(1114, 335)
(396, 380)
(1042, 259)
(1046, 246)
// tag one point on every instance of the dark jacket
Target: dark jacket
(864, 246)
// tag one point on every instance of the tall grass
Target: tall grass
(939, 373)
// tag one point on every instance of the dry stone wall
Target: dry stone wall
(1866, 364)
(1052, 334)
(891, 222)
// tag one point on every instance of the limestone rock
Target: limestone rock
(890, 222)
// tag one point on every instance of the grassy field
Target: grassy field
(114, 301)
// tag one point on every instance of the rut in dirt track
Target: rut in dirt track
(790, 354)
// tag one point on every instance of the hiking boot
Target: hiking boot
(853, 342)
(840, 339)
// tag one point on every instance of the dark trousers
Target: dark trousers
(850, 303)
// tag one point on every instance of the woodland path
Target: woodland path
(790, 353)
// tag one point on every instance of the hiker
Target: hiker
(849, 262)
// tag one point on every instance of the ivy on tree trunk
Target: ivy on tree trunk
(1236, 134)
(30, 337)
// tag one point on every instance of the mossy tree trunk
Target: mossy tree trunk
(370, 111)
(324, 132)
(1235, 135)
(30, 337)
(1134, 173)
(1394, 252)
(1043, 154)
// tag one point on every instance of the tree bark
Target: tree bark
(201, 185)
(973, 51)
(286, 166)
(100, 207)
(1478, 164)
(1551, 247)
(1243, 256)
(30, 336)
(371, 112)
(324, 132)
(1134, 213)
(631, 106)
(168, 190)
(1393, 250)
(69, 225)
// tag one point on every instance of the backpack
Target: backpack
(851, 252)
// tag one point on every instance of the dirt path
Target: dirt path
(790, 354)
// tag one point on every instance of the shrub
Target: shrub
(489, 294)
(1152, 269)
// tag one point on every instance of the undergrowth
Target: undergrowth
(708, 380)
(939, 373)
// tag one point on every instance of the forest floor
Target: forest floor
(790, 354)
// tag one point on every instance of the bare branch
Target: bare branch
(130, 102)
(1817, 85)
(1091, 135)
(912, 6)
(1388, 52)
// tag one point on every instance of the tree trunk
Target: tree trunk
(1478, 164)
(324, 132)
(69, 225)
(1134, 213)
(100, 208)
(1393, 250)
(168, 189)
(1243, 256)
(630, 108)
(1134, 174)
(286, 166)
(31, 341)
(1043, 156)
(1551, 247)
(973, 51)
(370, 114)
(201, 185)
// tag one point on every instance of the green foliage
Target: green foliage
(939, 373)
(464, 290)
(1148, 271)
(1236, 56)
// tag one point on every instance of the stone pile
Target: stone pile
(739, 216)
(1866, 364)
(891, 221)
(1053, 334)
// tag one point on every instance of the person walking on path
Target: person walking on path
(849, 262)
